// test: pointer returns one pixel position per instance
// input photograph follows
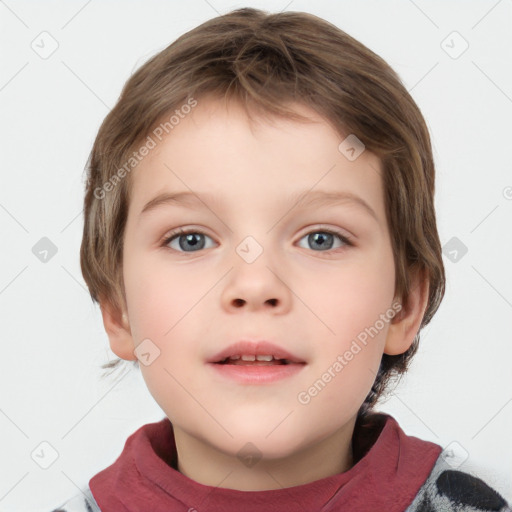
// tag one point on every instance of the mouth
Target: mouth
(249, 353)
(253, 360)
(253, 363)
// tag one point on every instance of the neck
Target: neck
(206, 465)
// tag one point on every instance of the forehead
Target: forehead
(218, 149)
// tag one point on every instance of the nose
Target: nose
(256, 287)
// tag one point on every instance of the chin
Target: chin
(267, 438)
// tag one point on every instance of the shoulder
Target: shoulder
(83, 502)
(450, 490)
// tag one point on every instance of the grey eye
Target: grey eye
(190, 241)
(319, 240)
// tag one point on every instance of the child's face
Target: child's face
(312, 296)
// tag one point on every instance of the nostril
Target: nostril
(239, 302)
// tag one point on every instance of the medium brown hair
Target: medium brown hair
(267, 61)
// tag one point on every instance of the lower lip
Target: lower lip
(253, 374)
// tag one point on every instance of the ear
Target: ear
(405, 324)
(117, 327)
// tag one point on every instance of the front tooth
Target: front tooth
(264, 358)
(248, 358)
(234, 357)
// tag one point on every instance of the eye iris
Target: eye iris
(192, 239)
(320, 238)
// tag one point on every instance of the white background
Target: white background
(460, 385)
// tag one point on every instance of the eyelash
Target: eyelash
(347, 240)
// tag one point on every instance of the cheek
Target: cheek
(352, 305)
(160, 297)
(167, 306)
(164, 306)
(354, 296)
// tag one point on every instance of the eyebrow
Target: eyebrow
(306, 199)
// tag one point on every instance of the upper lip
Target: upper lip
(258, 348)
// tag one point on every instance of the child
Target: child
(255, 137)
